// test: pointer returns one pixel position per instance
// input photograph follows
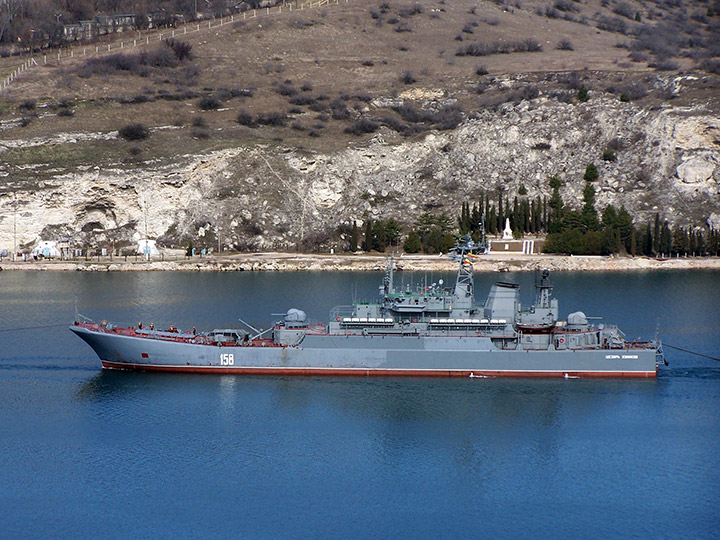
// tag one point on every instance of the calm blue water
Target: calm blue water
(86, 453)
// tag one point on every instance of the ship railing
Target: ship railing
(79, 317)
(341, 312)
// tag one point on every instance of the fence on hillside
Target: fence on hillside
(157, 36)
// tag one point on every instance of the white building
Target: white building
(47, 249)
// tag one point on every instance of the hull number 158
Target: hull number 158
(227, 359)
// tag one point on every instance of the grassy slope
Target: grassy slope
(324, 49)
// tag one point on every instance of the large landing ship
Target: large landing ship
(427, 330)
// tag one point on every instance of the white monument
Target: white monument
(507, 233)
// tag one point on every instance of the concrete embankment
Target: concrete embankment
(292, 262)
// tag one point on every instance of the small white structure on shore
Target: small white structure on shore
(46, 248)
(507, 233)
(148, 248)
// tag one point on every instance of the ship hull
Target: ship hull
(361, 355)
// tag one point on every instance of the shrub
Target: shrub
(66, 112)
(244, 118)
(285, 89)
(481, 70)
(199, 133)
(159, 58)
(241, 92)
(319, 106)
(637, 56)
(582, 94)
(529, 92)
(566, 5)
(134, 132)
(271, 119)
(209, 103)
(541, 146)
(612, 24)
(711, 66)
(624, 10)
(368, 63)
(609, 155)
(306, 87)
(407, 77)
(394, 123)
(665, 65)
(499, 47)
(199, 121)
(181, 49)
(591, 172)
(27, 105)
(404, 27)
(565, 45)
(302, 100)
(362, 125)
(25, 121)
(339, 110)
(415, 9)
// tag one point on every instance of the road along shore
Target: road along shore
(294, 262)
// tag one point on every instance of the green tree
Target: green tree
(392, 231)
(627, 231)
(591, 172)
(557, 207)
(412, 242)
(589, 214)
(379, 238)
(368, 243)
(354, 237)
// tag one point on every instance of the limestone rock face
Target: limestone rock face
(265, 197)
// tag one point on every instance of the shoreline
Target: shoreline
(298, 262)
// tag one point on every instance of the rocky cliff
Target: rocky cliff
(268, 196)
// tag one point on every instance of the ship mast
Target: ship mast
(465, 249)
(544, 290)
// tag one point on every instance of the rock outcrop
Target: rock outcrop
(264, 197)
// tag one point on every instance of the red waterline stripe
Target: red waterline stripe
(382, 372)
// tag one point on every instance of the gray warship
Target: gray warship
(427, 330)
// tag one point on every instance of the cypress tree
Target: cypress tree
(354, 237)
(368, 243)
(656, 234)
(501, 215)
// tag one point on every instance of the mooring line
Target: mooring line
(691, 352)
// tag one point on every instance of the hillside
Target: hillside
(286, 126)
